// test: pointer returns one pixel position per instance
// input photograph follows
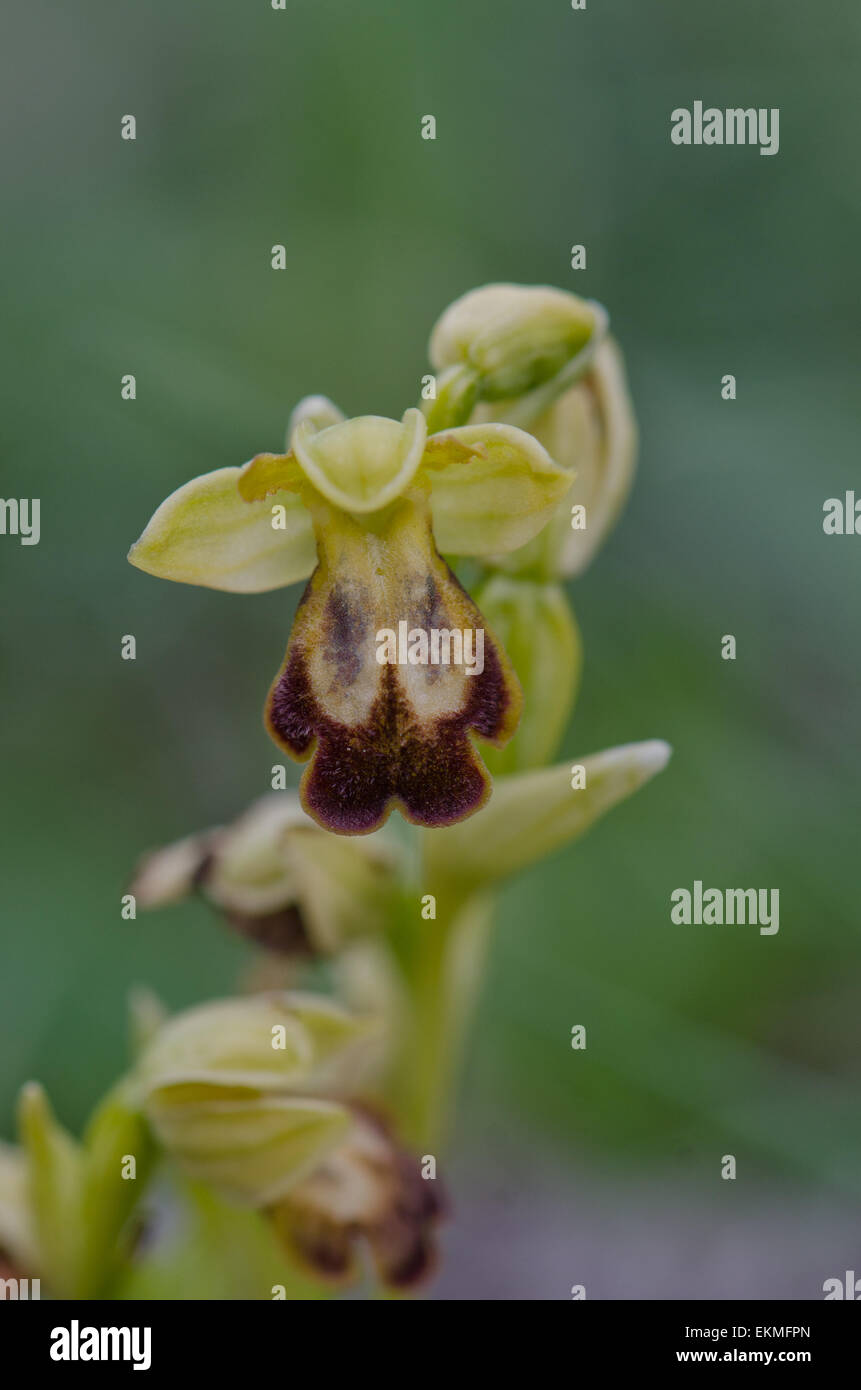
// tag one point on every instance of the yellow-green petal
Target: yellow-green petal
(493, 487)
(206, 534)
(269, 473)
(268, 1042)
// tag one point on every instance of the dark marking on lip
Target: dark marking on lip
(431, 614)
(431, 609)
(345, 629)
(359, 770)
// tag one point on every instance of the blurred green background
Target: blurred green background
(257, 127)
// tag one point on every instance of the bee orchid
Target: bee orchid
(365, 507)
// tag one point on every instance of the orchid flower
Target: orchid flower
(253, 1097)
(364, 507)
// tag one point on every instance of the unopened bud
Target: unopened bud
(590, 431)
(534, 623)
(318, 411)
(226, 1089)
(514, 337)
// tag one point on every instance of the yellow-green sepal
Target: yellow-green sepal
(249, 1147)
(205, 533)
(363, 464)
(493, 487)
(266, 1042)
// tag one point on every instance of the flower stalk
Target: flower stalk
(302, 1133)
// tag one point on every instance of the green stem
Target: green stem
(441, 973)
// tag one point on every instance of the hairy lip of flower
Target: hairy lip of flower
(379, 497)
(381, 735)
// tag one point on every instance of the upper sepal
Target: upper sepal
(361, 465)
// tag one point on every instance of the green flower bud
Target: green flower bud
(227, 1089)
(514, 337)
(534, 623)
(319, 411)
(456, 394)
(590, 431)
